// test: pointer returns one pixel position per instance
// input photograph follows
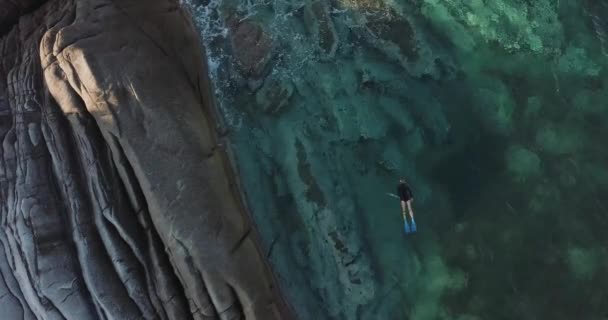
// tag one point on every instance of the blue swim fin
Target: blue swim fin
(413, 227)
(407, 227)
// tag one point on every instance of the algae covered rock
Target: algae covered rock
(514, 25)
(576, 61)
(583, 262)
(522, 163)
(393, 29)
(558, 139)
(321, 27)
(495, 106)
(543, 197)
(274, 94)
(251, 45)
(533, 108)
(591, 102)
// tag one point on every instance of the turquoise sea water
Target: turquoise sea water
(495, 112)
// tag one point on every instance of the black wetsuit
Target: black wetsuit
(404, 192)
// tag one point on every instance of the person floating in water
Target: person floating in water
(405, 196)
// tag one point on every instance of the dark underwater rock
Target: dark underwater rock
(274, 95)
(251, 45)
(399, 34)
(321, 27)
(391, 27)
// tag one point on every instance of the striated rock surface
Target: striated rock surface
(11, 10)
(118, 199)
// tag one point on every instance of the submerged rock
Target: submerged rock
(320, 25)
(495, 106)
(387, 26)
(251, 45)
(522, 163)
(274, 95)
(533, 26)
(559, 139)
(396, 32)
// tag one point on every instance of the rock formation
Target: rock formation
(493, 110)
(118, 198)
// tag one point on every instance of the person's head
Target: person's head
(401, 180)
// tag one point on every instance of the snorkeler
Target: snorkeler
(405, 196)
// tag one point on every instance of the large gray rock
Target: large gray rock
(10, 10)
(118, 199)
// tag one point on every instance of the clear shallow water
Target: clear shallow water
(494, 112)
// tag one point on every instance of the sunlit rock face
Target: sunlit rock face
(117, 197)
(493, 111)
